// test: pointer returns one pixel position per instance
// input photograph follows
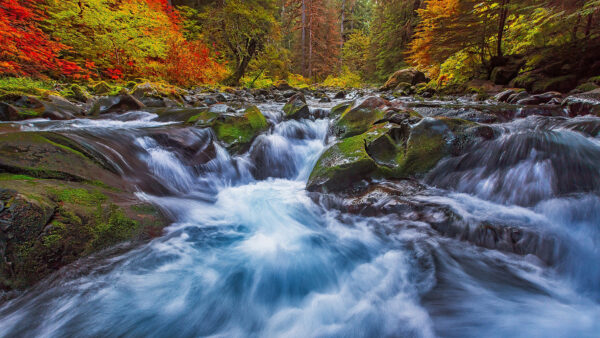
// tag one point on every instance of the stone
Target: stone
(296, 107)
(360, 117)
(408, 75)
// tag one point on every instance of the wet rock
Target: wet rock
(409, 75)
(583, 104)
(116, 104)
(386, 150)
(516, 97)
(238, 131)
(296, 107)
(360, 117)
(339, 109)
(503, 96)
(340, 95)
(342, 166)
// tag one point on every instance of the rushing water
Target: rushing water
(251, 254)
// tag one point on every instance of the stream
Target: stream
(252, 253)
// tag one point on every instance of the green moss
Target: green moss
(356, 121)
(113, 227)
(587, 87)
(341, 109)
(79, 196)
(26, 85)
(203, 118)
(594, 80)
(11, 177)
(240, 130)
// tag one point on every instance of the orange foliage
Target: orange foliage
(189, 62)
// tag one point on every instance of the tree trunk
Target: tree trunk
(303, 37)
(501, 24)
(234, 79)
(588, 27)
(342, 29)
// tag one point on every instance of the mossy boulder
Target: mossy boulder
(77, 93)
(360, 117)
(408, 75)
(342, 165)
(341, 108)
(46, 224)
(587, 87)
(101, 88)
(387, 150)
(296, 107)
(238, 131)
(50, 155)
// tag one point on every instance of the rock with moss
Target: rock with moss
(341, 108)
(296, 107)
(360, 117)
(50, 155)
(101, 88)
(47, 224)
(408, 75)
(561, 84)
(59, 201)
(587, 87)
(238, 131)
(389, 150)
(78, 93)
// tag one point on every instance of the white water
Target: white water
(250, 257)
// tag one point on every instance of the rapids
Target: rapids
(252, 254)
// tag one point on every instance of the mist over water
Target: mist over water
(252, 254)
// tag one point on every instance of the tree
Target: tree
(394, 22)
(242, 28)
(27, 50)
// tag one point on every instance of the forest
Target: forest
(343, 43)
(300, 168)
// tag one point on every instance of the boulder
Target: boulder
(116, 104)
(238, 131)
(360, 117)
(503, 96)
(340, 95)
(387, 150)
(408, 75)
(340, 109)
(583, 104)
(296, 107)
(102, 88)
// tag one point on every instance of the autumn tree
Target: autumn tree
(26, 49)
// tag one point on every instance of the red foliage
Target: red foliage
(114, 73)
(26, 50)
